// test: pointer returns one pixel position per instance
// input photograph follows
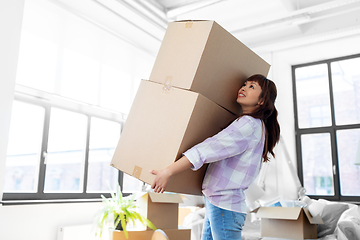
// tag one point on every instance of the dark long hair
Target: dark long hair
(267, 113)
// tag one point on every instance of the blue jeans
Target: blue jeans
(221, 224)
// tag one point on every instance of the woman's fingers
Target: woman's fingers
(153, 172)
(154, 185)
(161, 180)
(158, 189)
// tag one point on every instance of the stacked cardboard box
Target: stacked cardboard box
(162, 210)
(203, 57)
(191, 95)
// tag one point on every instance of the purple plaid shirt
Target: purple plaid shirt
(234, 156)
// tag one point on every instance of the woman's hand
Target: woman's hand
(163, 176)
(161, 180)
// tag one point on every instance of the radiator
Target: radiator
(77, 232)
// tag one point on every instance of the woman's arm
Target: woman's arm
(231, 141)
(163, 176)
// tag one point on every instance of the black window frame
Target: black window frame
(331, 130)
(14, 198)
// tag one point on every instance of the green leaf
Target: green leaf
(118, 219)
(123, 224)
(150, 224)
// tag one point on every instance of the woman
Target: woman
(234, 156)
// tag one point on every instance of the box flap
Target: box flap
(313, 220)
(279, 212)
(255, 210)
(165, 198)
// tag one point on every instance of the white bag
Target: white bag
(348, 226)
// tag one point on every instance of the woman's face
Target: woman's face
(248, 96)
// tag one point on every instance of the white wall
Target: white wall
(10, 12)
(41, 222)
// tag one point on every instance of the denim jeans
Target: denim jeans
(221, 224)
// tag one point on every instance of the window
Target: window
(327, 123)
(74, 88)
(55, 153)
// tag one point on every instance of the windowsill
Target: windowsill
(30, 202)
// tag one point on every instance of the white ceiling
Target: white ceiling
(263, 25)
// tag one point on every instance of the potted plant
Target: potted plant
(118, 211)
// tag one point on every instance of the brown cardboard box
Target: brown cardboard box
(183, 213)
(161, 209)
(205, 58)
(173, 234)
(288, 222)
(162, 124)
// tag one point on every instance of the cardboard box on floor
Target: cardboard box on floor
(288, 222)
(162, 124)
(184, 212)
(162, 209)
(203, 57)
(173, 234)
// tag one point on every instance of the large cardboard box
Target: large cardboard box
(288, 222)
(162, 124)
(205, 58)
(161, 209)
(173, 234)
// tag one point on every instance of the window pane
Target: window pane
(348, 143)
(24, 148)
(313, 98)
(317, 164)
(66, 151)
(132, 184)
(104, 136)
(346, 87)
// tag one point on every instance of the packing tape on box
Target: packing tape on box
(189, 24)
(167, 85)
(137, 171)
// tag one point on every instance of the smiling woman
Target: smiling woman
(234, 156)
(249, 96)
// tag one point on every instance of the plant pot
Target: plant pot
(119, 226)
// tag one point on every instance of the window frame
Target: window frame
(25, 95)
(328, 129)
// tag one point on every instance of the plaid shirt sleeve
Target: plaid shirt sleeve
(231, 141)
